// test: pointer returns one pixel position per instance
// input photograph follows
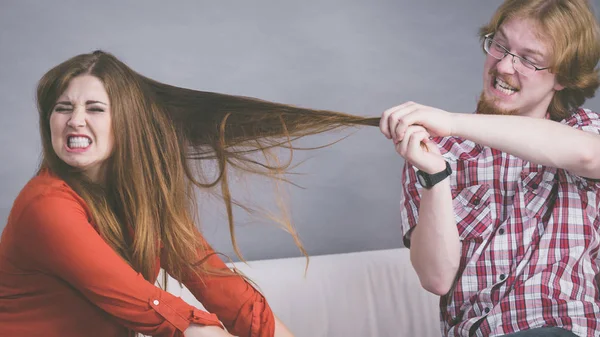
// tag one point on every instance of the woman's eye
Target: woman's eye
(61, 109)
(96, 109)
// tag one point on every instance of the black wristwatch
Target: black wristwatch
(429, 180)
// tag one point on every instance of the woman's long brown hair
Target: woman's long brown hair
(161, 134)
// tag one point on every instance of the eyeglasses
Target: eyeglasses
(498, 51)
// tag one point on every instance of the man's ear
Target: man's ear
(558, 86)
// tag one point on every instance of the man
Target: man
(500, 208)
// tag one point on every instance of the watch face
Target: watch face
(422, 180)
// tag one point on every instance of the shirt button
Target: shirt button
(156, 302)
(502, 277)
(501, 231)
(476, 201)
(534, 186)
(486, 310)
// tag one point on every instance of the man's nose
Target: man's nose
(506, 65)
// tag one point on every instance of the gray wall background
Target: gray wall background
(359, 57)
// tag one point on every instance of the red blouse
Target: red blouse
(58, 277)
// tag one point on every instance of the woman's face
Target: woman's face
(81, 127)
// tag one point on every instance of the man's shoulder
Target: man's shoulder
(582, 111)
(582, 117)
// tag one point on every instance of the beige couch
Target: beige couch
(374, 293)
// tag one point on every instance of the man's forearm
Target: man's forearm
(537, 140)
(435, 245)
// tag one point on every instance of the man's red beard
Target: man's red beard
(486, 106)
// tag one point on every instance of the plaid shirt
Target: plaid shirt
(524, 264)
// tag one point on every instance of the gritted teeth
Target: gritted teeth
(504, 87)
(78, 141)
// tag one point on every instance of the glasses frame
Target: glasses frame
(488, 38)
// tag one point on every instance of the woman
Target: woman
(113, 202)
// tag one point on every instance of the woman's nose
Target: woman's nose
(77, 119)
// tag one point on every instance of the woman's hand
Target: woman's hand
(195, 330)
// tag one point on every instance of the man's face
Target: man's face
(508, 92)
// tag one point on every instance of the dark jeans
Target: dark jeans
(543, 332)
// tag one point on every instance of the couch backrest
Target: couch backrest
(374, 293)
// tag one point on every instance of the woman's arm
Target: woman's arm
(281, 330)
(195, 330)
(243, 310)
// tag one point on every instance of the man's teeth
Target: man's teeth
(79, 142)
(504, 87)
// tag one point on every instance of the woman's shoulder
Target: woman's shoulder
(46, 183)
(45, 208)
(43, 191)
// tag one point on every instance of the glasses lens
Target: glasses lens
(523, 67)
(494, 49)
